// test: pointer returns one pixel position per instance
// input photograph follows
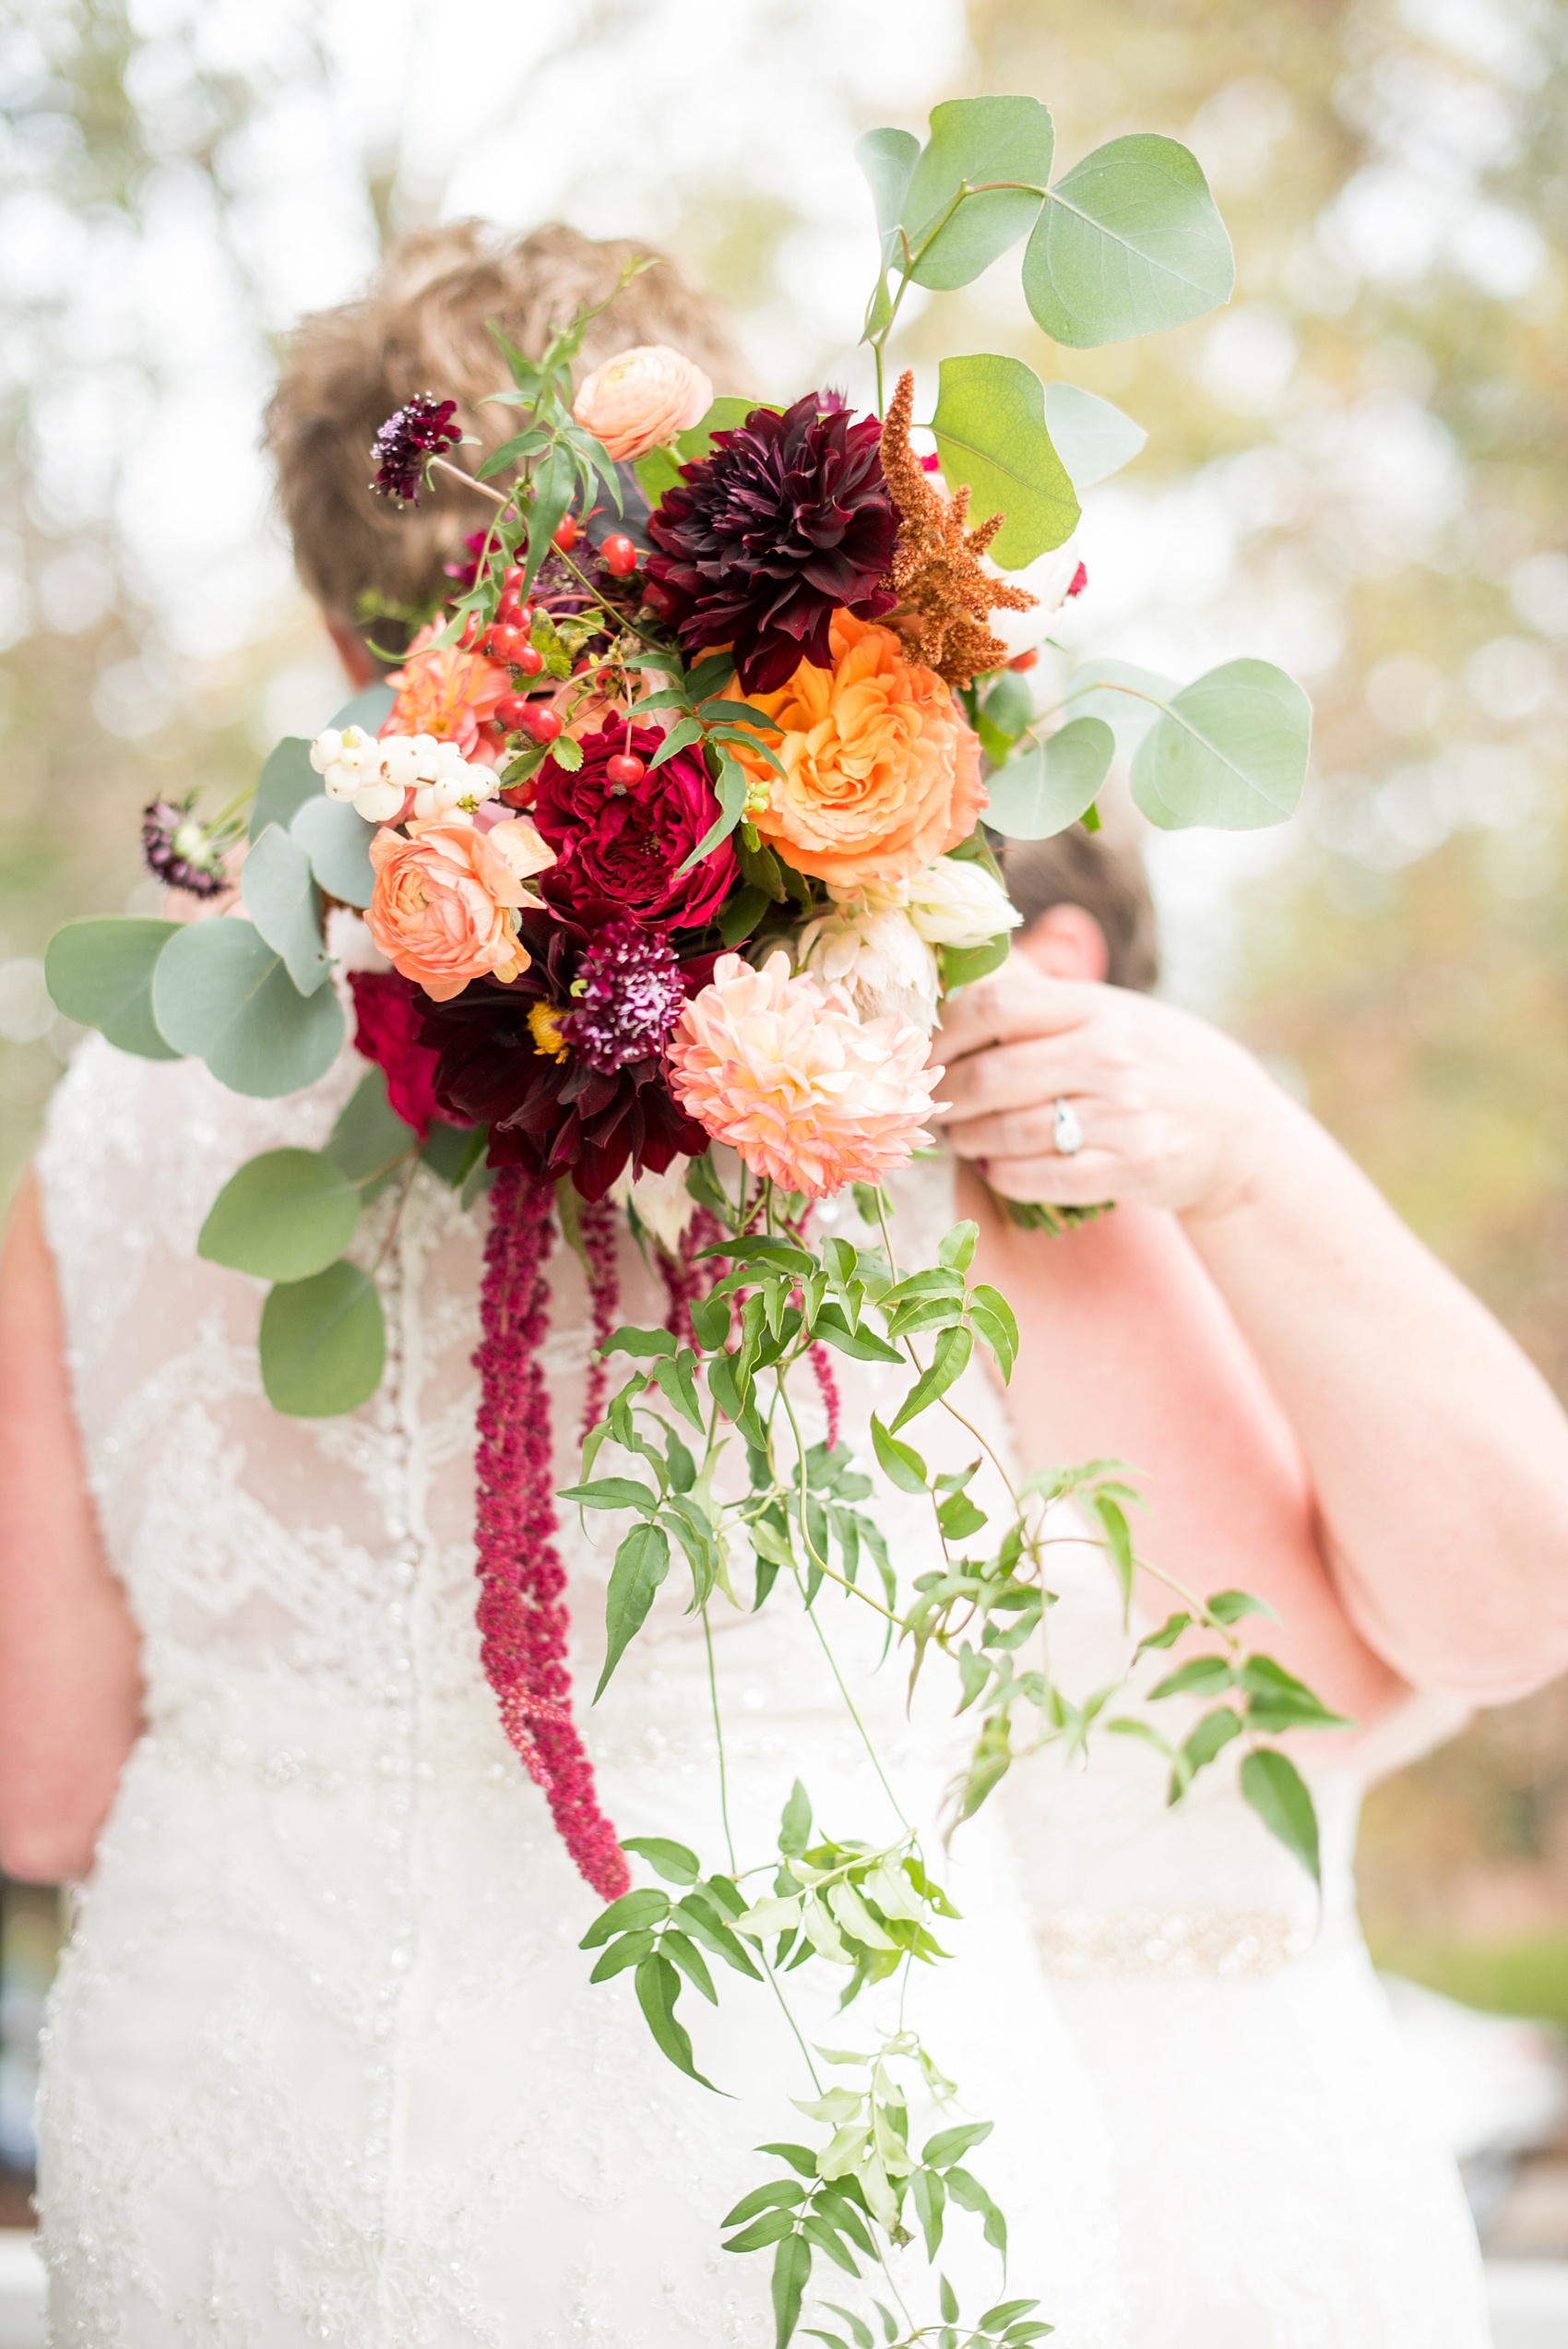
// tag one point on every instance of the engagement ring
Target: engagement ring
(1067, 1134)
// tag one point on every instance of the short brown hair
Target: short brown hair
(421, 325)
(1103, 872)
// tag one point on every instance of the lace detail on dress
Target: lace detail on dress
(323, 2062)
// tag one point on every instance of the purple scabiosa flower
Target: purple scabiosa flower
(422, 429)
(177, 851)
(630, 994)
(786, 521)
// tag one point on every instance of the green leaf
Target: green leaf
(779, 2193)
(1276, 1790)
(1229, 751)
(282, 900)
(452, 1151)
(791, 2272)
(689, 1958)
(1229, 1606)
(1128, 242)
(888, 158)
(322, 1343)
(641, 1564)
(949, 2300)
(930, 2196)
(1047, 785)
(1201, 1676)
(657, 471)
(221, 993)
(949, 1361)
(1093, 438)
(974, 140)
(641, 1343)
(860, 2333)
(963, 964)
(1278, 1700)
(1119, 1542)
(900, 1463)
(369, 1138)
(287, 780)
(1130, 699)
(1211, 1736)
(991, 433)
(657, 1987)
(634, 1911)
(732, 787)
(950, 2144)
(742, 914)
(674, 1862)
(282, 1216)
(992, 1316)
(629, 1950)
(956, 1250)
(1009, 705)
(862, 1345)
(726, 414)
(610, 1492)
(337, 840)
(99, 974)
(795, 1827)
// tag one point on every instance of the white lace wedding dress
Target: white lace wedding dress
(323, 2063)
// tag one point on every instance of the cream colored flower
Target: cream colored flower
(661, 1202)
(955, 901)
(878, 958)
(1048, 579)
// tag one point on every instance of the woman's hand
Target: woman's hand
(1173, 1113)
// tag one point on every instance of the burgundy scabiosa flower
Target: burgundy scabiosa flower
(627, 842)
(422, 429)
(557, 1100)
(788, 520)
(176, 850)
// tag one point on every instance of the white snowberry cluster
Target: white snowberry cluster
(377, 775)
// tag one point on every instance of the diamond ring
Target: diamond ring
(1067, 1133)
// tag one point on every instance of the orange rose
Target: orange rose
(440, 910)
(881, 771)
(641, 398)
(448, 693)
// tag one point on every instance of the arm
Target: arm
(1438, 1456)
(69, 1689)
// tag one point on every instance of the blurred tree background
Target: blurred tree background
(1356, 470)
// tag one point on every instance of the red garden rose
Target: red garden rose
(628, 842)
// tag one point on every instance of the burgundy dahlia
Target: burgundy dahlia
(628, 842)
(509, 1058)
(423, 429)
(177, 851)
(786, 521)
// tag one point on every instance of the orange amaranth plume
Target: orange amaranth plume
(945, 594)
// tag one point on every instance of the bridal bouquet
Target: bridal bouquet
(672, 827)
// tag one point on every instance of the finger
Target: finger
(1015, 1076)
(1021, 1133)
(1018, 1000)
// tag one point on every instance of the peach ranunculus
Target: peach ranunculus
(881, 768)
(783, 1071)
(441, 908)
(641, 398)
(446, 692)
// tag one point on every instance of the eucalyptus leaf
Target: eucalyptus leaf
(974, 140)
(287, 780)
(726, 414)
(657, 471)
(370, 1138)
(99, 974)
(1093, 438)
(888, 158)
(337, 840)
(1128, 242)
(370, 707)
(322, 1343)
(1130, 699)
(282, 1216)
(282, 900)
(223, 993)
(991, 434)
(1229, 751)
(1047, 785)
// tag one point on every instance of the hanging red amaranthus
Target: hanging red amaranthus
(522, 1614)
(595, 1221)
